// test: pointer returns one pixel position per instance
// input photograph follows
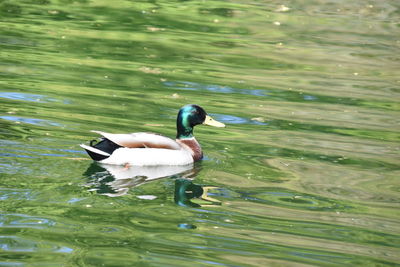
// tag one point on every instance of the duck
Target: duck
(152, 149)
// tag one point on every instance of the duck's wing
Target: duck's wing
(138, 140)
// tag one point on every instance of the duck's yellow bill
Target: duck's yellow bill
(210, 121)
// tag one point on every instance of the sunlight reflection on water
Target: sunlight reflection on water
(235, 119)
(18, 244)
(30, 97)
(184, 85)
(34, 121)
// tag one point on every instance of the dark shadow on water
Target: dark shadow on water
(115, 181)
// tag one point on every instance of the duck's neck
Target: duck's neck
(185, 138)
(183, 127)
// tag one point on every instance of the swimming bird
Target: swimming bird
(150, 149)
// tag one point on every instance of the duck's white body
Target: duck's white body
(149, 157)
(148, 149)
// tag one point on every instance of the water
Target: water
(306, 172)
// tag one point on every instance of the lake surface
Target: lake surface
(305, 173)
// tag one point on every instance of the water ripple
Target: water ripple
(15, 194)
(236, 120)
(30, 97)
(184, 85)
(18, 244)
(22, 221)
(40, 122)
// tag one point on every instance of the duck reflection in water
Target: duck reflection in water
(186, 190)
(116, 180)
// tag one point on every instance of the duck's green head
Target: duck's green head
(190, 116)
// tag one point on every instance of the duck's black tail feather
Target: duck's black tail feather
(101, 150)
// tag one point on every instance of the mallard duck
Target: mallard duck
(150, 149)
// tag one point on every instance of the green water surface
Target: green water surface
(305, 173)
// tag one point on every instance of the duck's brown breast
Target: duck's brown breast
(193, 146)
